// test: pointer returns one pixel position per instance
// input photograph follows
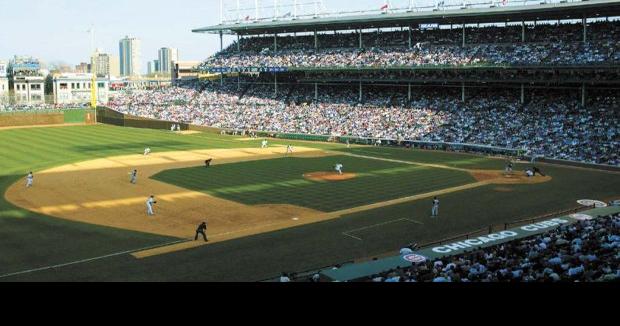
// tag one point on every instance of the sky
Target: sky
(56, 30)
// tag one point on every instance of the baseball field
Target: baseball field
(267, 211)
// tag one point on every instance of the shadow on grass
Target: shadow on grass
(173, 145)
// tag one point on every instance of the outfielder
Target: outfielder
(339, 168)
(149, 205)
(435, 210)
(29, 180)
(147, 151)
(133, 176)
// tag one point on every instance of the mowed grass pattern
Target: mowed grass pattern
(281, 181)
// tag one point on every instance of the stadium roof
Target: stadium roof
(516, 13)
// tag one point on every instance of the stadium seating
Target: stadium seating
(585, 252)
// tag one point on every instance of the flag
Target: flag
(247, 17)
(288, 14)
(384, 7)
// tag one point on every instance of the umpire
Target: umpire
(202, 229)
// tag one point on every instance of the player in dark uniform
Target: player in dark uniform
(208, 163)
(537, 170)
(202, 229)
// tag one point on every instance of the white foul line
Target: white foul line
(92, 259)
(347, 233)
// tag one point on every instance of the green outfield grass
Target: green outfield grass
(29, 241)
(281, 181)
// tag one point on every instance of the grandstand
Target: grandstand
(540, 78)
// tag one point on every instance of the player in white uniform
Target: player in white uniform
(29, 180)
(289, 149)
(264, 143)
(339, 168)
(133, 176)
(147, 151)
(435, 210)
(149, 205)
(172, 127)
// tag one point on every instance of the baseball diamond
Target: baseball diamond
(258, 203)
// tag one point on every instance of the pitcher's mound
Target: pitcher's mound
(329, 176)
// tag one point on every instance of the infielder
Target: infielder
(435, 210)
(339, 168)
(149, 205)
(147, 151)
(29, 180)
(508, 169)
(264, 143)
(133, 176)
(289, 150)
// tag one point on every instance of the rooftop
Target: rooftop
(490, 13)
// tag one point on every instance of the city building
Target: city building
(4, 83)
(28, 80)
(82, 68)
(166, 57)
(106, 65)
(130, 56)
(149, 68)
(156, 66)
(76, 89)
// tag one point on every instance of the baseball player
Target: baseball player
(172, 127)
(348, 144)
(435, 210)
(339, 167)
(149, 205)
(289, 150)
(29, 180)
(537, 170)
(509, 167)
(147, 151)
(133, 177)
(202, 229)
(264, 144)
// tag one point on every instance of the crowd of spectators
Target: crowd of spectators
(586, 251)
(4, 108)
(546, 44)
(549, 124)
